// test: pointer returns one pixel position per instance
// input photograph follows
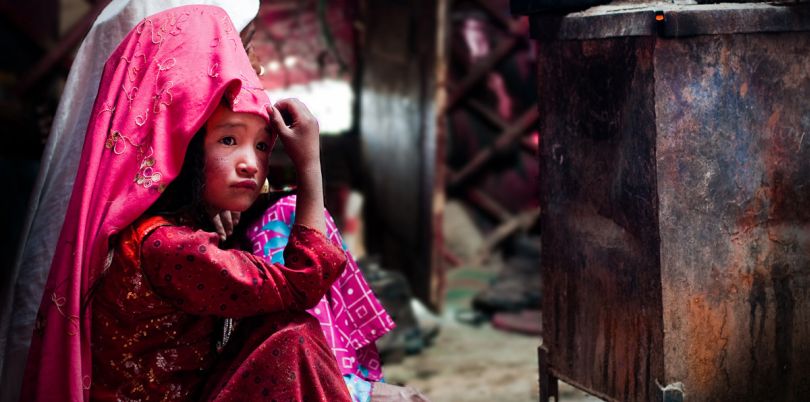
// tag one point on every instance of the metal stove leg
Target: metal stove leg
(548, 383)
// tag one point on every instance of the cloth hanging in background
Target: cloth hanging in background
(48, 203)
(157, 89)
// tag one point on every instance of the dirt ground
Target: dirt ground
(477, 364)
(469, 363)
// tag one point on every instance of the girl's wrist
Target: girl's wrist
(308, 167)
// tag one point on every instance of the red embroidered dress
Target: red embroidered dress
(158, 312)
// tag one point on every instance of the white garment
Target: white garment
(22, 294)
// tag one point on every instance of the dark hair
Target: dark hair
(183, 198)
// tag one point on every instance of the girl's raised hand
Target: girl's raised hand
(299, 133)
(298, 130)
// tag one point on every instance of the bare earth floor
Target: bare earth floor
(475, 363)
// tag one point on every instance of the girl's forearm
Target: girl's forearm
(309, 202)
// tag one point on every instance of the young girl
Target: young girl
(139, 289)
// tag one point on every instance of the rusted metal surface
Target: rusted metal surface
(733, 151)
(675, 200)
(526, 7)
(546, 383)
(399, 138)
(622, 20)
(602, 313)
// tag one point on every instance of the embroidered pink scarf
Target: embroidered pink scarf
(350, 315)
(157, 89)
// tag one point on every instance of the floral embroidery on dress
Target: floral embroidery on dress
(113, 142)
(172, 26)
(59, 302)
(147, 176)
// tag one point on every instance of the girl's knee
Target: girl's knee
(295, 326)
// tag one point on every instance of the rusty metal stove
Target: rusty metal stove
(675, 194)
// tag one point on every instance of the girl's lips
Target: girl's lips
(248, 184)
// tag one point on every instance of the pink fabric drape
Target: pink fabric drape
(157, 89)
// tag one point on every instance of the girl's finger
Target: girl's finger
(235, 215)
(276, 121)
(288, 110)
(218, 227)
(227, 222)
(294, 111)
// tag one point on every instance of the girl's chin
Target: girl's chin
(238, 207)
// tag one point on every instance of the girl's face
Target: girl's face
(237, 149)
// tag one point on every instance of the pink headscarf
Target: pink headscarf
(157, 90)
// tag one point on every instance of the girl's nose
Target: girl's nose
(248, 166)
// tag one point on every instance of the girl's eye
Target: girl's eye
(228, 141)
(262, 146)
